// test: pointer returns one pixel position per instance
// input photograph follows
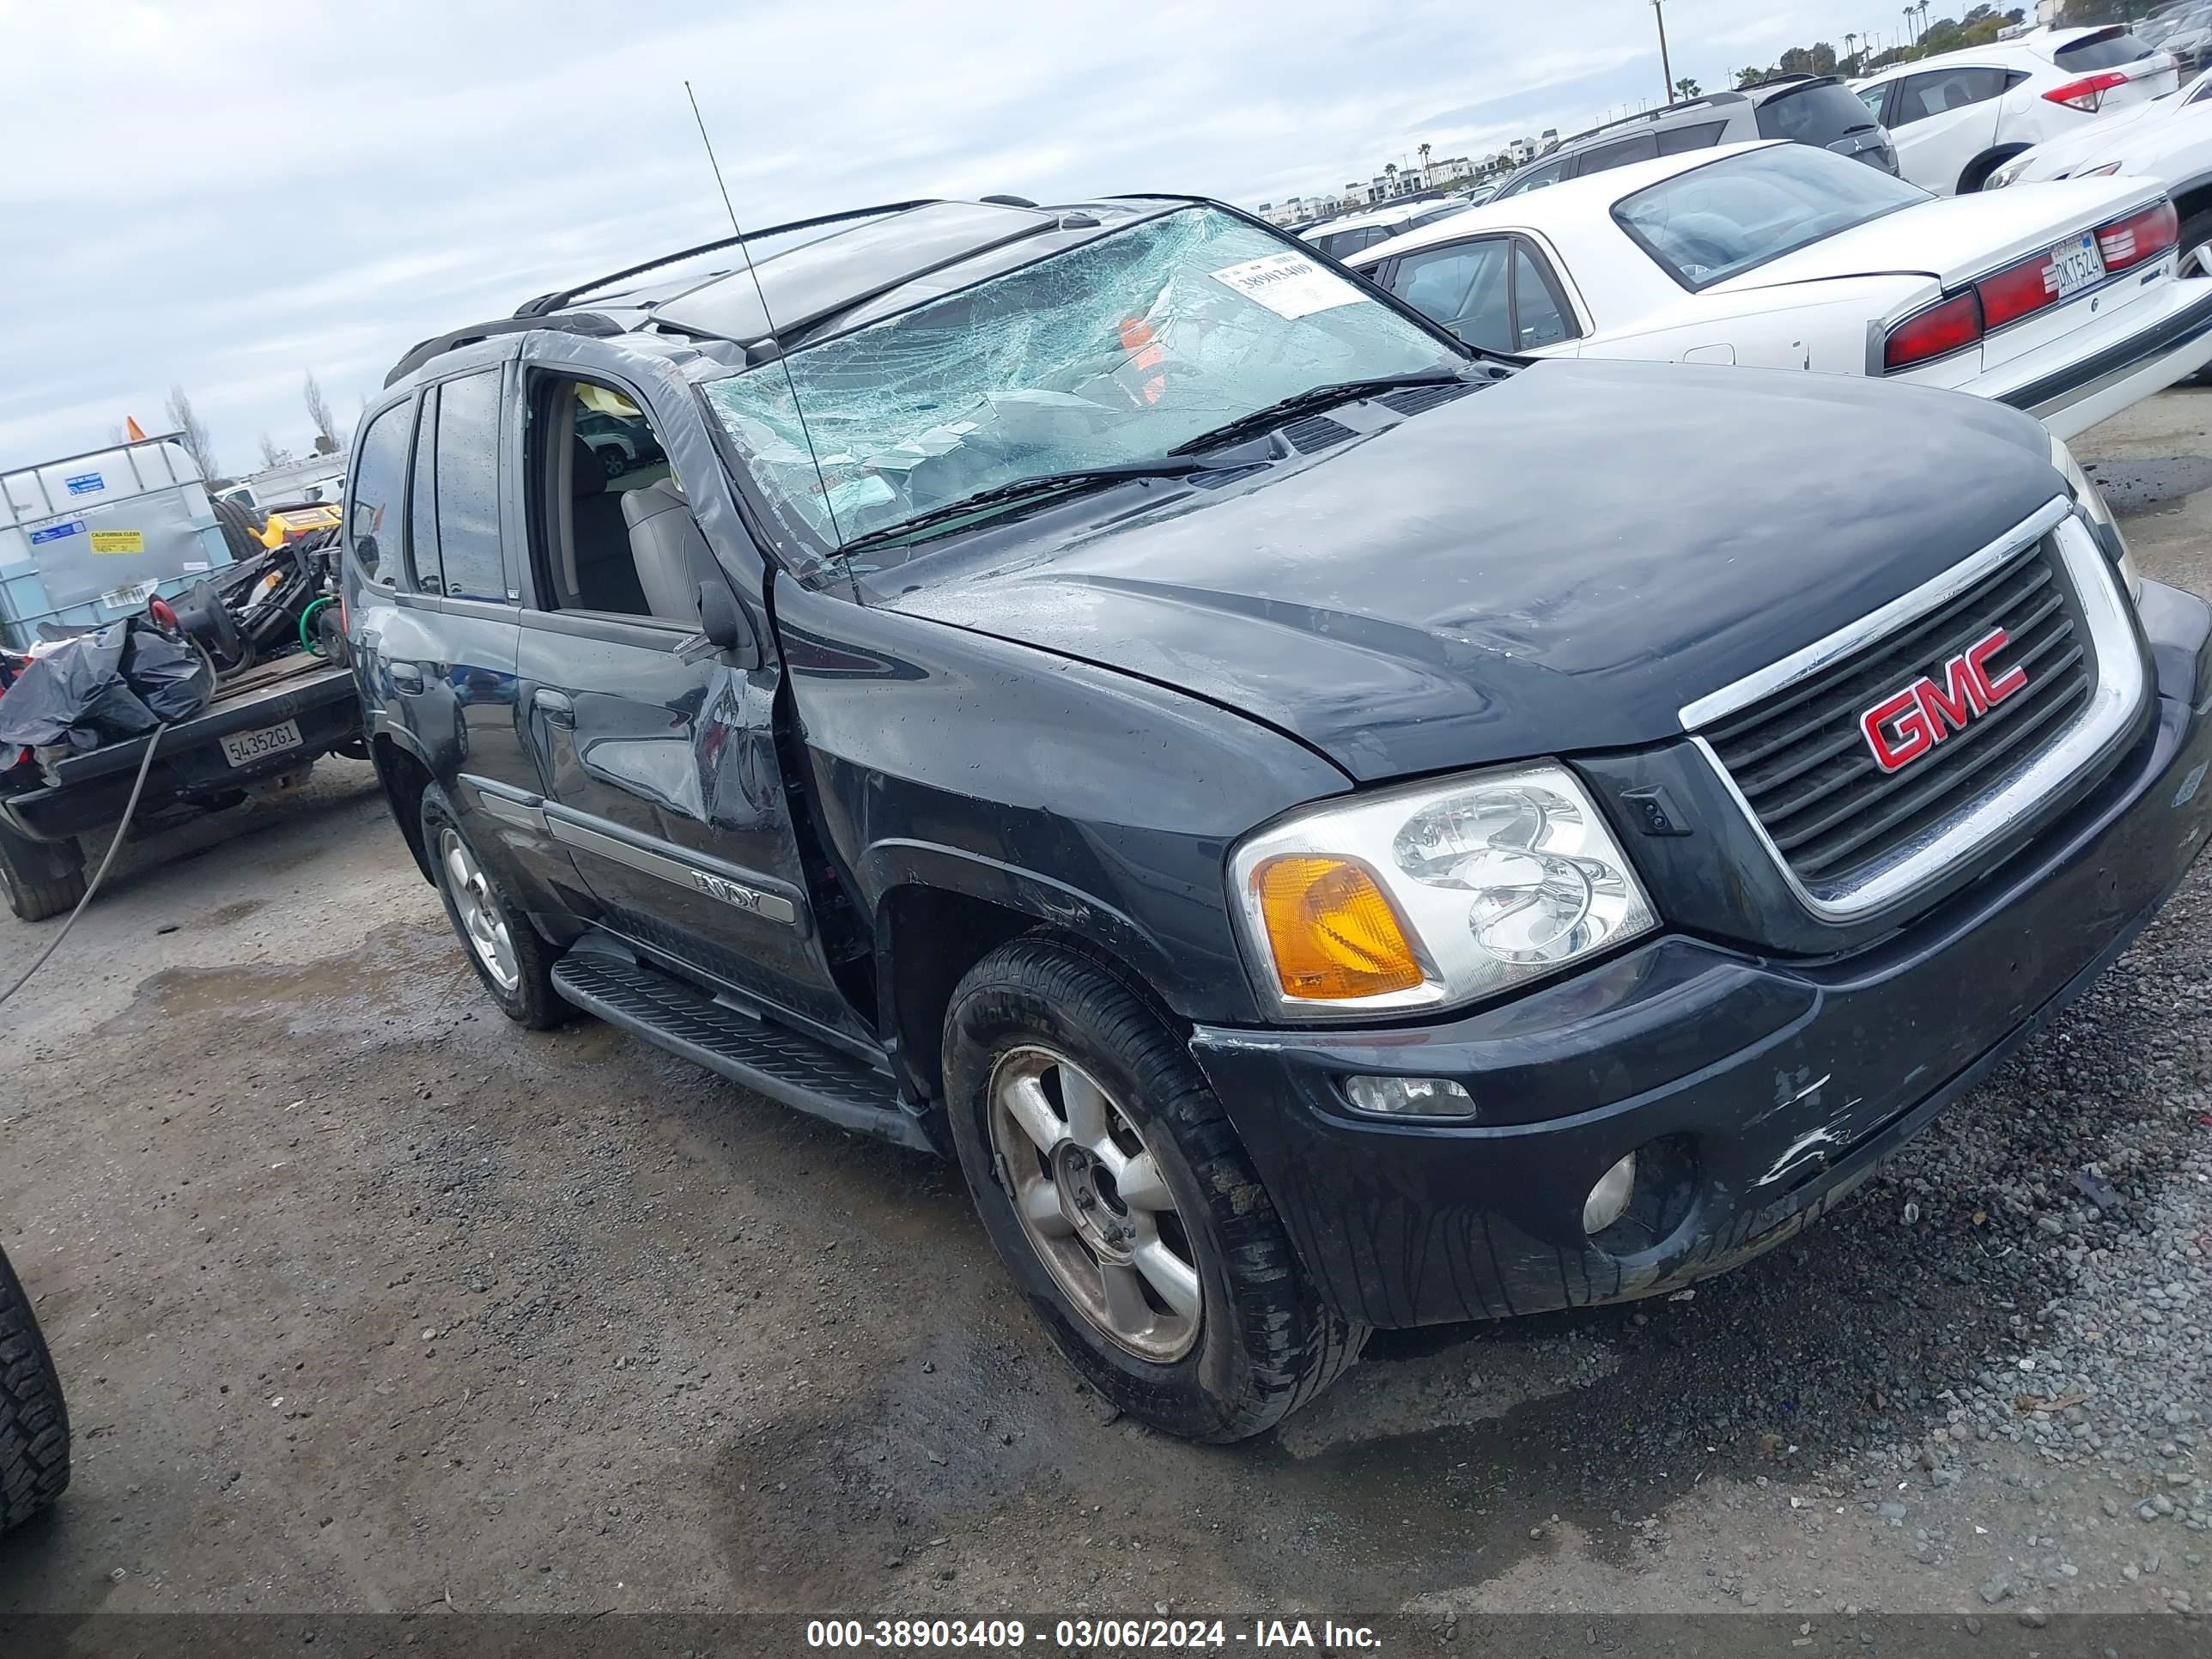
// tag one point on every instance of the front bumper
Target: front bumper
(1758, 1091)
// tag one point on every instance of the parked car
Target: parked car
(1330, 828)
(2168, 140)
(34, 1425)
(2063, 301)
(1343, 237)
(622, 444)
(1804, 109)
(2183, 32)
(1958, 116)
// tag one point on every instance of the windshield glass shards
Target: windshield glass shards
(1112, 352)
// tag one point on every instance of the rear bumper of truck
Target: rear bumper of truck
(87, 793)
(1754, 1091)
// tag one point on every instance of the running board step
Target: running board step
(766, 1058)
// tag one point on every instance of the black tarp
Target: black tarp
(118, 682)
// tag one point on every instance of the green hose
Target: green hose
(307, 620)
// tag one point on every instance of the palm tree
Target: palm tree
(1687, 87)
(1851, 43)
(1909, 10)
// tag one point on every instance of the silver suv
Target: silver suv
(1807, 109)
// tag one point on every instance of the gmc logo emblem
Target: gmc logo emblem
(1905, 725)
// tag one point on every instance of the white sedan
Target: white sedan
(2168, 140)
(2063, 301)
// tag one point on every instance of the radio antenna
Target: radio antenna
(791, 384)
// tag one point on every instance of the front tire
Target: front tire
(1121, 1201)
(510, 956)
(34, 1428)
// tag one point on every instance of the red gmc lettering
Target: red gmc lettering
(1914, 736)
(1980, 653)
(1905, 725)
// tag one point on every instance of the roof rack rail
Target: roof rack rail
(1784, 80)
(594, 322)
(546, 303)
(1699, 102)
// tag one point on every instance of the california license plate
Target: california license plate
(2081, 264)
(244, 748)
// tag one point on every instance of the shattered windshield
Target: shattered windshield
(1112, 352)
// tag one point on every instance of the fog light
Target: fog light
(1409, 1097)
(1609, 1200)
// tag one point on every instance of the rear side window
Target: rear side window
(2107, 50)
(1819, 113)
(1675, 141)
(468, 488)
(378, 496)
(423, 501)
(1601, 157)
(1537, 319)
(1465, 287)
(1938, 91)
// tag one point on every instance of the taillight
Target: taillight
(2088, 92)
(1937, 331)
(2132, 240)
(2011, 294)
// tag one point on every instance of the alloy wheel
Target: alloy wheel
(1091, 1196)
(481, 923)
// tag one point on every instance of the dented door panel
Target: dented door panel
(663, 787)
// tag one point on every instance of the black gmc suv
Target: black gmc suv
(1330, 828)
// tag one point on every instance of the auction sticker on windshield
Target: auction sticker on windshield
(1289, 284)
(2080, 264)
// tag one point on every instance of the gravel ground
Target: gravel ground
(367, 1300)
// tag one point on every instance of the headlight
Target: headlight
(1434, 895)
(2099, 172)
(2005, 174)
(2090, 501)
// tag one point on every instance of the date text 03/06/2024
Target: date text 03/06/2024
(1166, 1635)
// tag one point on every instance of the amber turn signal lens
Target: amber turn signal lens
(1333, 931)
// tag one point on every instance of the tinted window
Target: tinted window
(379, 485)
(1536, 178)
(1600, 157)
(1703, 136)
(1819, 113)
(2097, 51)
(468, 487)
(1707, 225)
(1536, 317)
(1920, 96)
(1464, 287)
(422, 503)
(1343, 244)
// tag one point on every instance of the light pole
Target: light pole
(1666, 69)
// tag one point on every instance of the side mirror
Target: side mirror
(723, 623)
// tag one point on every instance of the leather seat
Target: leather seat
(606, 575)
(672, 555)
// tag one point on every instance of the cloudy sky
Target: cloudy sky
(225, 194)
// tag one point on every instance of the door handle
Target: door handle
(406, 676)
(557, 706)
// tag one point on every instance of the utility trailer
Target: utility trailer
(267, 723)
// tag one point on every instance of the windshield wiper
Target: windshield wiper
(1031, 489)
(1313, 399)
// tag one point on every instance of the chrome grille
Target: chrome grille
(1805, 769)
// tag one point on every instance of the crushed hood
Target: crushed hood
(1558, 562)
